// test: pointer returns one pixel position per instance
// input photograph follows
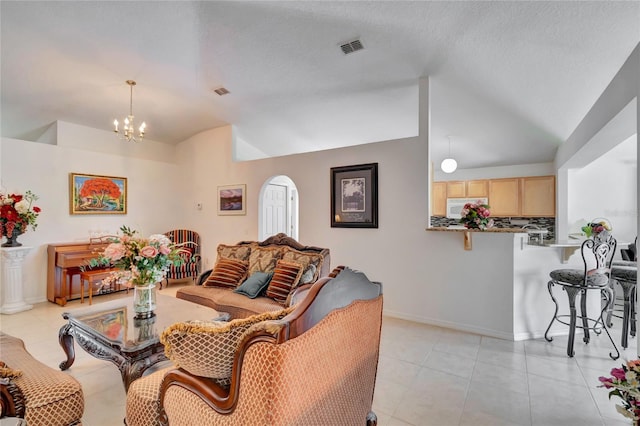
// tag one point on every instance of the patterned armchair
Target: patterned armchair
(315, 365)
(35, 392)
(190, 241)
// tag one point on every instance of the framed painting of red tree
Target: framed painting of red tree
(93, 194)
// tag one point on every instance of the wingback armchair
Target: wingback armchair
(190, 243)
(316, 365)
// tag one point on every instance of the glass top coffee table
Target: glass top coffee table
(110, 332)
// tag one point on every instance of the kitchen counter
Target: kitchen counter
(462, 229)
(568, 246)
(498, 289)
(467, 232)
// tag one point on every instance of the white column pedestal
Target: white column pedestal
(11, 297)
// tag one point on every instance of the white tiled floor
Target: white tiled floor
(426, 376)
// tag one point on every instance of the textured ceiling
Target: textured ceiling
(509, 80)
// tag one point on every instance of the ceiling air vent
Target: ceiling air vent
(351, 46)
(221, 91)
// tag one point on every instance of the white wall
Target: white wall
(604, 189)
(427, 276)
(520, 170)
(44, 169)
(611, 120)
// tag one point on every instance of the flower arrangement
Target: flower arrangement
(476, 216)
(594, 228)
(17, 213)
(625, 384)
(145, 260)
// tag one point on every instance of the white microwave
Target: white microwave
(455, 205)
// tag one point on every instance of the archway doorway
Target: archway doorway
(278, 208)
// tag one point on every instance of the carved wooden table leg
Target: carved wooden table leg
(66, 341)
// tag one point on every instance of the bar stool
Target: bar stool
(626, 275)
(628, 283)
(596, 255)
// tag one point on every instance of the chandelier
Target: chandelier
(128, 133)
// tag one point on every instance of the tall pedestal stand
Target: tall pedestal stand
(11, 297)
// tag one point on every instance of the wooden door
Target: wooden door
(456, 189)
(504, 197)
(439, 199)
(539, 196)
(477, 188)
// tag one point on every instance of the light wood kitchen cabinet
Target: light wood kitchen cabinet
(477, 188)
(538, 196)
(504, 197)
(456, 189)
(439, 199)
(533, 196)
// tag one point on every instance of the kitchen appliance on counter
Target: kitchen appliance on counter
(536, 234)
(455, 205)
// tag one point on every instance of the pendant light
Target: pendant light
(449, 165)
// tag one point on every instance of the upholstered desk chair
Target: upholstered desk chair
(190, 242)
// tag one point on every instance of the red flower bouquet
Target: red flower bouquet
(17, 212)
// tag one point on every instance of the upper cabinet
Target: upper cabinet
(533, 196)
(456, 189)
(477, 188)
(504, 197)
(439, 199)
(538, 196)
(467, 189)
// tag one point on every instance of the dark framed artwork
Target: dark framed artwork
(354, 196)
(97, 194)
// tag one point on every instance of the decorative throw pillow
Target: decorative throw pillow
(311, 263)
(285, 278)
(255, 284)
(263, 259)
(308, 274)
(207, 348)
(8, 373)
(227, 273)
(234, 252)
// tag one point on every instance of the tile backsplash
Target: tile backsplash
(548, 223)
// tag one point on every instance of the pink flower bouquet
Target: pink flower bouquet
(625, 384)
(476, 216)
(145, 259)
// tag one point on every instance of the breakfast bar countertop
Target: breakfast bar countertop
(463, 229)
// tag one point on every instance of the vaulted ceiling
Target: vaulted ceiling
(510, 81)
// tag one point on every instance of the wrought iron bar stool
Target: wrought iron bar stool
(626, 275)
(596, 257)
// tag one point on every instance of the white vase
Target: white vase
(144, 300)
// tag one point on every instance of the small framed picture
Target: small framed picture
(354, 196)
(96, 194)
(232, 200)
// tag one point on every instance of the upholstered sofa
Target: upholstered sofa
(281, 260)
(313, 363)
(31, 390)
